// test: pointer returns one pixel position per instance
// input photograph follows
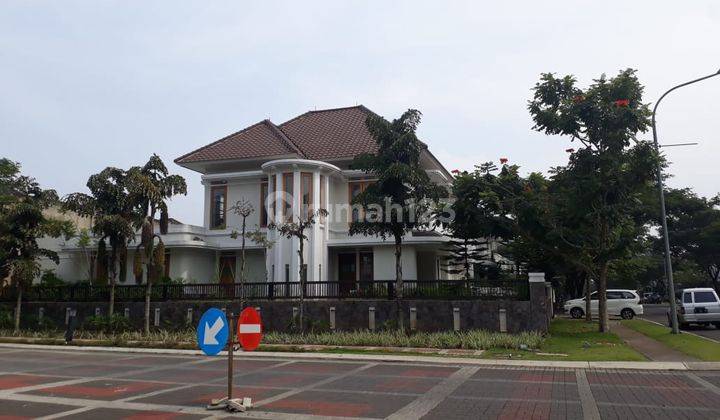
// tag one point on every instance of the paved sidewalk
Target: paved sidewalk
(57, 383)
(648, 347)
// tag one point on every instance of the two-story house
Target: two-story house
(283, 169)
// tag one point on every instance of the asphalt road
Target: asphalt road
(87, 385)
(658, 313)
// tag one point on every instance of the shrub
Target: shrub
(6, 320)
(50, 279)
(108, 324)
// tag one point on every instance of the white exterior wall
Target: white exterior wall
(384, 263)
(193, 265)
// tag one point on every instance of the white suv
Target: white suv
(698, 306)
(620, 302)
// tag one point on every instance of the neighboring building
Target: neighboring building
(307, 157)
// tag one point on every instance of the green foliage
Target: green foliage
(403, 192)
(694, 227)
(107, 324)
(391, 337)
(6, 320)
(50, 279)
(596, 211)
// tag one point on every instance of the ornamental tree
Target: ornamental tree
(599, 191)
(149, 188)
(403, 195)
(293, 229)
(113, 215)
(22, 222)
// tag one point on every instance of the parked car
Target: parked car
(651, 297)
(620, 302)
(698, 306)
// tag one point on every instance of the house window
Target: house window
(218, 197)
(287, 273)
(288, 185)
(354, 189)
(322, 196)
(263, 204)
(306, 191)
(366, 266)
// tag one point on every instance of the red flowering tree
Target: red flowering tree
(600, 219)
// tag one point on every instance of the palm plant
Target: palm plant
(149, 187)
(112, 212)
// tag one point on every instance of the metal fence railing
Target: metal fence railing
(378, 289)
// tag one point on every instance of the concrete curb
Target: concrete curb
(393, 358)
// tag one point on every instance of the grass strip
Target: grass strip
(575, 340)
(689, 344)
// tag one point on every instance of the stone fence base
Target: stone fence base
(345, 315)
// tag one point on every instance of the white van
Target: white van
(698, 306)
(620, 302)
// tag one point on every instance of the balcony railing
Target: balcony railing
(412, 289)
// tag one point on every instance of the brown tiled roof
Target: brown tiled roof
(321, 135)
(331, 133)
(258, 140)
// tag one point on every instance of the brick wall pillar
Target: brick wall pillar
(539, 320)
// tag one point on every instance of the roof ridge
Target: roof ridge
(361, 107)
(284, 137)
(218, 141)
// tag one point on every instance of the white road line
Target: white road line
(589, 406)
(66, 413)
(313, 385)
(434, 396)
(706, 384)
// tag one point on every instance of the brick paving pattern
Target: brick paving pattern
(78, 385)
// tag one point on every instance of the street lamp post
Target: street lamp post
(663, 215)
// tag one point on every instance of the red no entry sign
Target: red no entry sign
(249, 329)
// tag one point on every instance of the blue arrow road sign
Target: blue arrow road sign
(212, 331)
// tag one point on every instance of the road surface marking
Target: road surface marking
(434, 396)
(589, 407)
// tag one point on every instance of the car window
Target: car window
(687, 298)
(705, 297)
(614, 295)
(628, 295)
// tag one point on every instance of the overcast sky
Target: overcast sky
(85, 85)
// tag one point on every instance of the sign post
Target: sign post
(230, 357)
(215, 331)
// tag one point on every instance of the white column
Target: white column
(277, 247)
(297, 200)
(326, 233)
(315, 242)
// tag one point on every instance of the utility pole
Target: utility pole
(663, 215)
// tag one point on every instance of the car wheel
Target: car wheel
(576, 313)
(627, 313)
(684, 325)
(717, 325)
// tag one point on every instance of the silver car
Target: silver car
(698, 306)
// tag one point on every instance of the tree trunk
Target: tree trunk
(301, 324)
(602, 300)
(588, 307)
(148, 290)
(242, 268)
(399, 282)
(18, 306)
(111, 306)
